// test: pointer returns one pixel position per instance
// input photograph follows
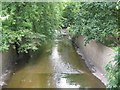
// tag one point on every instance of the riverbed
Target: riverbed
(55, 65)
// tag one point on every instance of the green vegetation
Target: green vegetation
(69, 13)
(98, 21)
(113, 70)
(29, 24)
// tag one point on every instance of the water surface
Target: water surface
(55, 65)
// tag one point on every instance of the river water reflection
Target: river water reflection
(56, 65)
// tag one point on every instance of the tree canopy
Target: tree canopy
(28, 24)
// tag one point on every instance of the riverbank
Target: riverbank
(7, 64)
(9, 61)
(96, 56)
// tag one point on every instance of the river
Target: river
(55, 65)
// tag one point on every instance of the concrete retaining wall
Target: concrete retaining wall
(6, 61)
(96, 56)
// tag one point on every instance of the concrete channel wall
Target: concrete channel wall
(6, 61)
(96, 56)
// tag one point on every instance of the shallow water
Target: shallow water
(55, 65)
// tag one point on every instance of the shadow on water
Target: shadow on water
(55, 65)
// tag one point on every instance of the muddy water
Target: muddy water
(55, 65)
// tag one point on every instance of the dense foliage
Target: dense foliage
(113, 70)
(69, 13)
(28, 25)
(98, 21)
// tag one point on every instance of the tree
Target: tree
(29, 24)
